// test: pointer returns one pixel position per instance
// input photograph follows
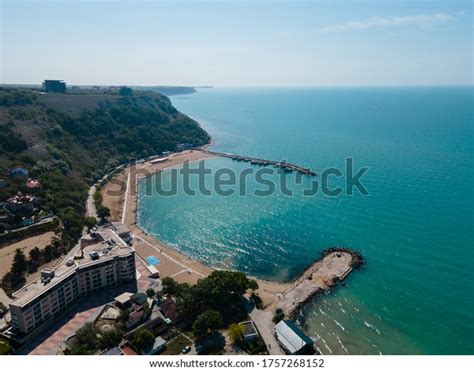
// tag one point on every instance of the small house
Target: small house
(169, 309)
(139, 298)
(135, 318)
(250, 332)
(123, 300)
(19, 173)
(33, 185)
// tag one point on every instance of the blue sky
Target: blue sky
(237, 43)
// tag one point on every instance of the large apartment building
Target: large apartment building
(103, 260)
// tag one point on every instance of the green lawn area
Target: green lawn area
(175, 345)
(5, 348)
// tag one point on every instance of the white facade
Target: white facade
(41, 300)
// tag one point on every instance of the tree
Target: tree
(86, 336)
(90, 222)
(236, 333)
(170, 286)
(5, 348)
(210, 320)
(143, 339)
(20, 264)
(34, 260)
(110, 338)
(124, 315)
(85, 341)
(221, 291)
(7, 283)
(103, 212)
(18, 269)
(48, 253)
(252, 285)
(125, 91)
(279, 315)
(80, 350)
(150, 292)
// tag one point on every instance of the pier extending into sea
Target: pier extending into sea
(284, 165)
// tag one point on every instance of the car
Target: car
(186, 349)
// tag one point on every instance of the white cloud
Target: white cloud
(373, 22)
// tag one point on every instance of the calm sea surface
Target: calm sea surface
(415, 229)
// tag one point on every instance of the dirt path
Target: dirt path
(8, 252)
(90, 205)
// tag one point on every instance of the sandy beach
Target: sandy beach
(185, 269)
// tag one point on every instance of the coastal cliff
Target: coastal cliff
(66, 142)
(168, 90)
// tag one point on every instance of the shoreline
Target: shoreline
(184, 268)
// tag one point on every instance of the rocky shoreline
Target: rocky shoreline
(356, 262)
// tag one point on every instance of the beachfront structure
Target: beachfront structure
(98, 266)
(249, 331)
(54, 86)
(292, 339)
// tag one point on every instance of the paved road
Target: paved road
(263, 321)
(90, 205)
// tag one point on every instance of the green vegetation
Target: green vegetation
(143, 339)
(256, 347)
(103, 212)
(150, 292)
(221, 291)
(125, 91)
(15, 277)
(169, 285)
(279, 316)
(88, 340)
(16, 97)
(5, 348)
(123, 316)
(236, 333)
(212, 303)
(110, 339)
(18, 270)
(208, 321)
(90, 222)
(69, 150)
(176, 345)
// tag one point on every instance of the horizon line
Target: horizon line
(205, 86)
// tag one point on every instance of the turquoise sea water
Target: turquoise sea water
(415, 229)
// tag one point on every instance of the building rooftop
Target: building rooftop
(110, 247)
(139, 298)
(169, 310)
(291, 337)
(127, 351)
(249, 328)
(123, 298)
(157, 345)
